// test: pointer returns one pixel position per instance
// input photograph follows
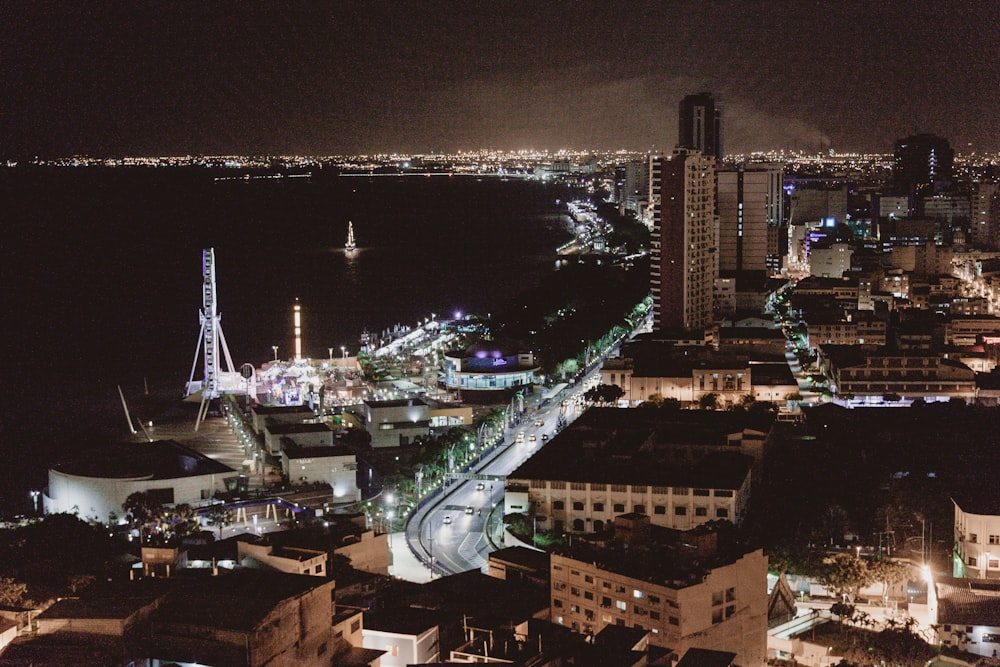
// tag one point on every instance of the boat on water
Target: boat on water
(350, 246)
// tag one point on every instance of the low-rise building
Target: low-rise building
(396, 423)
(337, 466)
(294, 560)
(96, 485)
(304, 434)
(856, 373)
(287, 414)
(602, 467)
(686, 589)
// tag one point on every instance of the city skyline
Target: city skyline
(407, 77)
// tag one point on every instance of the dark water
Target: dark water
(101, 278)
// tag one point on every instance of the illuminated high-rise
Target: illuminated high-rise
(684, 262)
(751, 219)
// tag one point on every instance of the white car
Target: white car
(480, 486)
(447, 520)
(532, 437)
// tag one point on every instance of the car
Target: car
(447, 520)
(539, 422)
(532, 437)
(480, 486)
(520, 436)
(545, 436)
(469, 510)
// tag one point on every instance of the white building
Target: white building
(96, 485)
(337, 466)
(977, 537)
(830, 262)
(396, 423)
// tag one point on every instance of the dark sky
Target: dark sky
(144, 78)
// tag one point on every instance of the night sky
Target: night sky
(112, 79)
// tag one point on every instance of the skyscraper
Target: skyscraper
(751, 218)
(684, 240)
(700, 126)
(921, 161)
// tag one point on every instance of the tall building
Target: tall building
(921, 161)
(751, 214)
(981, 198)
(684, 240)
(700, 125)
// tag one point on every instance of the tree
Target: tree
(709, 401)
(219, 516)
(12, 593)
(142, 508)
(889, 573)
(604, 393)
(845, 574)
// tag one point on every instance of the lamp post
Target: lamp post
(331, 354)
(34, 497)
(343, 351)
(274, 348)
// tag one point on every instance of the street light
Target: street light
(274, 348)
(34, 497)
(343, 351)
(331, 353)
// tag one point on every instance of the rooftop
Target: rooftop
(600, 447)
(161, 459)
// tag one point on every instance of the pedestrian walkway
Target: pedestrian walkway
(403, 564)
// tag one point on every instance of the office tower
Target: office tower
(981, 198)
(700, 125)
(921, 161)
(751, 215)
(684, 240)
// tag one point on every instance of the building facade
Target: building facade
(684, 261)
(751, 216)
(699, 126)
(726, 610)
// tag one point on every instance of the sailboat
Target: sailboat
(350, 246)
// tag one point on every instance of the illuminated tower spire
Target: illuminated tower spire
(297, 317)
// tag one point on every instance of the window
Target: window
(680, 490)
(598, 507)
(637, 594)
(321, 650)
(655, 615)
(605, 602)
(588, 578)
(701, 492)
(716, 598)
(654, 599)
(972, 561)
(619, 588)
(588, 595)
(556, 602)
(355, 626)
(621, 605)
(701, 511)
(574, 609)
(717, 615)
(994, 539)
(723, 493)
(659, 509)
(992, 639)
(574, 591)
(639, 509)
(619, 507)
(558, 504)
(680, 511)
(730, 610)
(730, 594)
(722, 512)
(973, 537)
(577, 505)
(673, 620)
(993, 563)
(319, 568)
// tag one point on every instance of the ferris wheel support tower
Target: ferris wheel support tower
(211, 345)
